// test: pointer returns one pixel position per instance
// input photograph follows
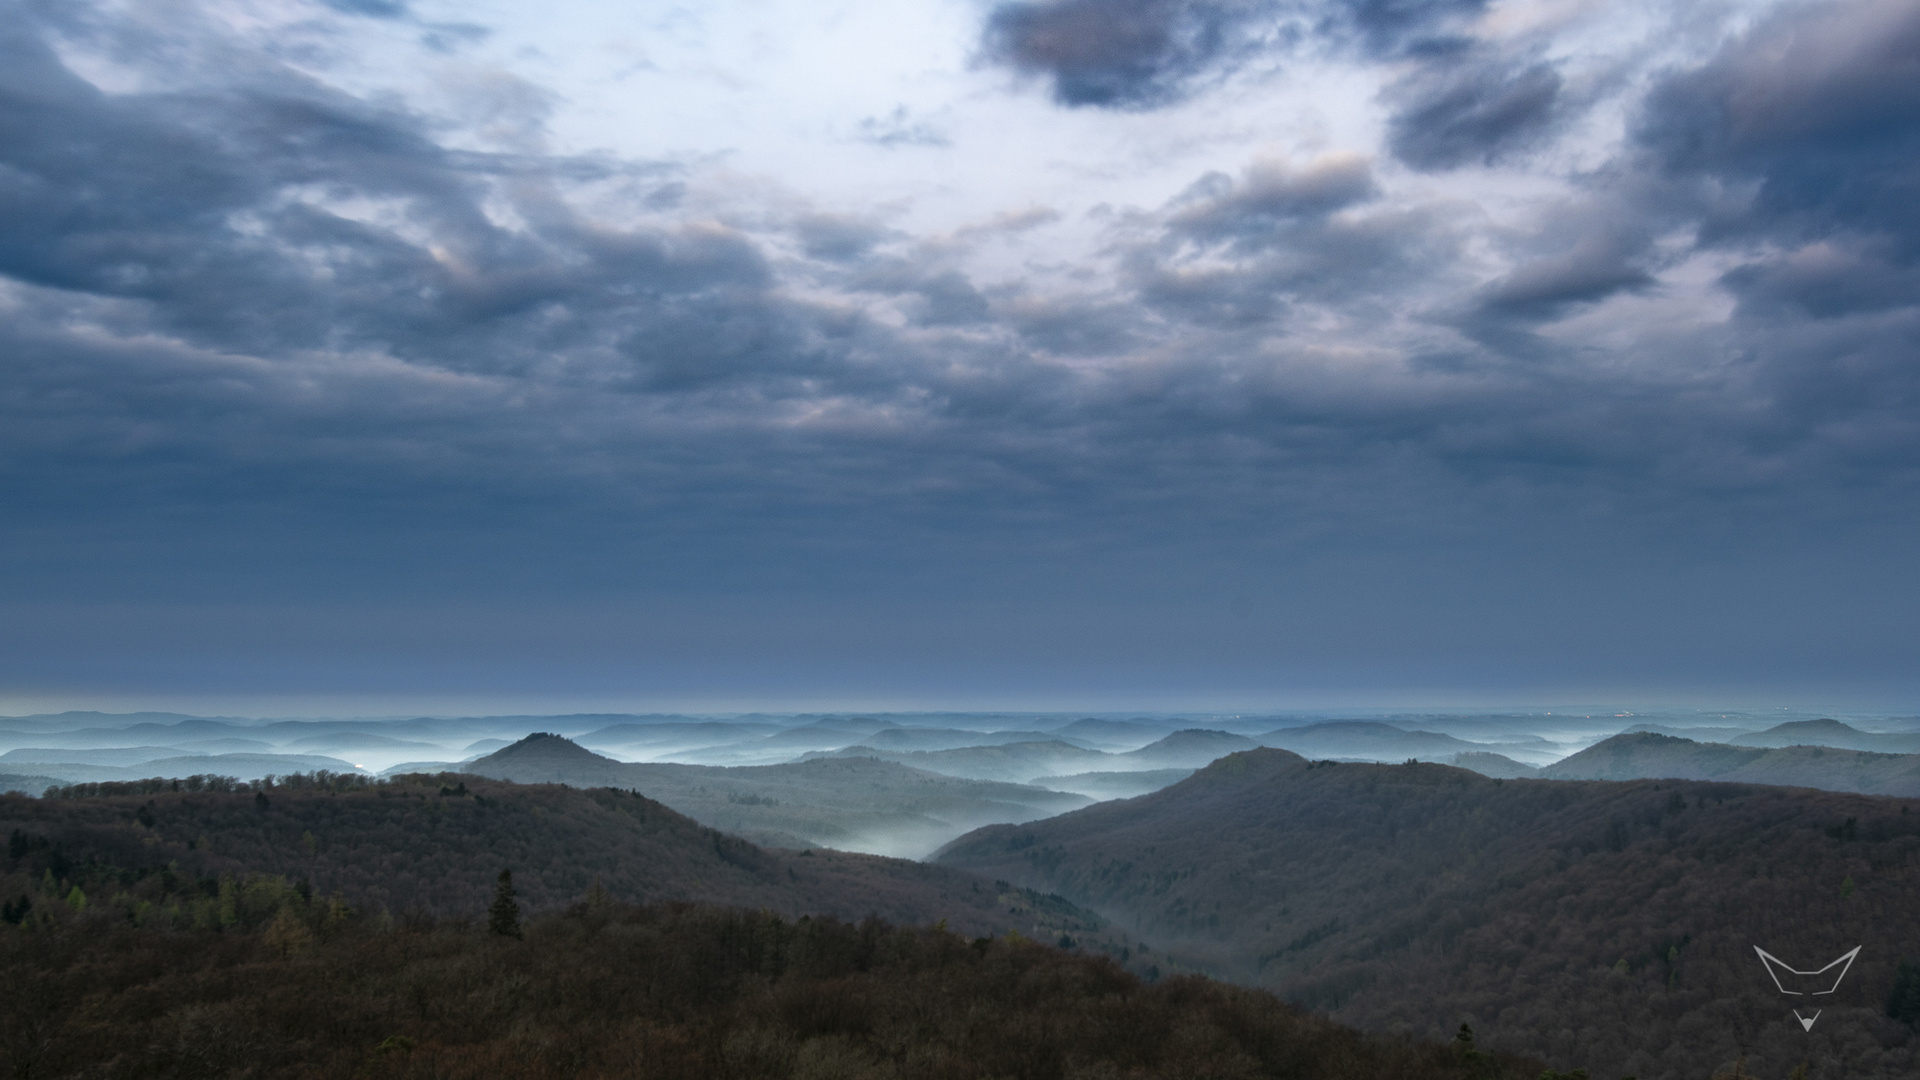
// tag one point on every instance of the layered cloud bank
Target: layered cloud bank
(1301, 334)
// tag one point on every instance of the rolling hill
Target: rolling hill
(1830, 733)
(1641, 755)
(1022, 763)
(1365, 740)
(850, 803)
(243, 766)
(1497, 766)
(1113, 735)
(1606, 924)
(433, 845)
(1102, 786)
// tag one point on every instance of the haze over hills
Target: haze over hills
(1006, 747)
(246, 766)
(853, 804)
(1361, 739)
(1827, 732)
(1024, 762)
(1647, 754)
(1611, 924)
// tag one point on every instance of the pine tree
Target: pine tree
(503, 917)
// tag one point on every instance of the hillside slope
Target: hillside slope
(417, 844)
(1606, 924)
(1646, 755)
(671, 992)
(853, 804)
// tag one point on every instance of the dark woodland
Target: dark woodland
(130, 952)
(436, 845)
(666, 991)
(1607, 924)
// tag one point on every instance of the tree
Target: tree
(503, 917)
(1903, 1004)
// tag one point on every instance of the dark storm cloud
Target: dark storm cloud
(1798, 148)
(1244, 252)
(1809, 130)
(1473, 109)
(286, 296)
(262, 337)
(1142, 54)
(219, 212)
(1397, 27)
(1118, 53)
(1600, 264)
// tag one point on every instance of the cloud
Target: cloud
(376, 9)
(897, 128)
(1248, 252)
(1144, 54)
(1118, 53)
(1471, 109)
(1816, 113)
(262, 336)
(1797, 148)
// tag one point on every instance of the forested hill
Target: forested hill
(1638, 755)
(1607, 924)
(670, 992)
(434, 844)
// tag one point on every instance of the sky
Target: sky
(375, 355)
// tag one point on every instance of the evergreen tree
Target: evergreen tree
(503, 917)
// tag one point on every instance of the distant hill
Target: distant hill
(425, 844)
(1023, 763)
(906, 738)
(1189, 749)
(1016, 763)
(1641, 755)
(1830, 733)
(854, 804)
(1609, 925)
(654, 736)
(1112, 734)
(1494, 765)
(346, 742)
(242, 766)
(141, 732)
(1697, 734)
(116, 757)
(1114, 785)
(1365, 740)
(26, 784)
(85, 718)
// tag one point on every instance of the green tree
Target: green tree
(503, 917)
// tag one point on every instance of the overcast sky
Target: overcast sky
(384, 354)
